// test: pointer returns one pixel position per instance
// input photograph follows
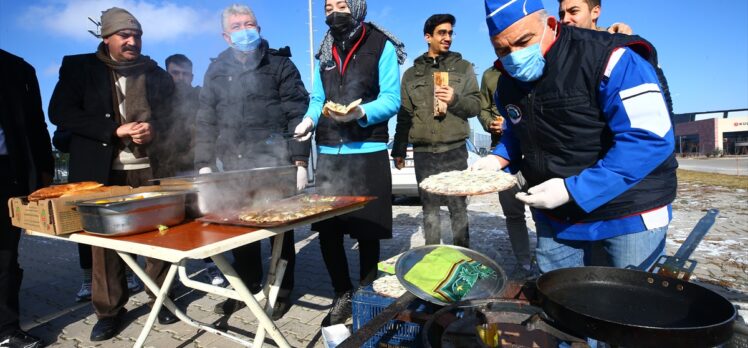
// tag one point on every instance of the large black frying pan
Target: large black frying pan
(633, 308)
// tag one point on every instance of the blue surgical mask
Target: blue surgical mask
(246, 40)
(526, 64)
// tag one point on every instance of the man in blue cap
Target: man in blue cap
(590, 131)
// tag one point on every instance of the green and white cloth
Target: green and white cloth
(447, 274)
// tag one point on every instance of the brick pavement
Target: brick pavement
(52, 275)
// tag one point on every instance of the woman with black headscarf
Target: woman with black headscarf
(357, 60)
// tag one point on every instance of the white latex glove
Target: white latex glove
(205, 170)
(354, 114)
(548, 195)
(301, 178)
(304, 130)
(490, 163)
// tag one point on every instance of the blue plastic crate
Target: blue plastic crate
(367, 304)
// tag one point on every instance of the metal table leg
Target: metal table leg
(276, 270)
(246, 296)
(161, 296)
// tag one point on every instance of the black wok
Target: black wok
(633, 308)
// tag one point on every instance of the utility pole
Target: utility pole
(311, 48)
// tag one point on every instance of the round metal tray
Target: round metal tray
(483, 288)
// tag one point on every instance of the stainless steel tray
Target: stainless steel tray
(222, 191)
(133, 213)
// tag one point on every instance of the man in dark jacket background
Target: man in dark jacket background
(108, 101)
(252, 95)
(27, 164)
(176, 131)
(438, 141)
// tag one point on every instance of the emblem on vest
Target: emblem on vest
(514, 112)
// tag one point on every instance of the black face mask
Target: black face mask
(340, 23)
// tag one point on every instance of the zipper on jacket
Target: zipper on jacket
(533, 130)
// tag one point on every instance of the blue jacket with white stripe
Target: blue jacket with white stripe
(598, 119)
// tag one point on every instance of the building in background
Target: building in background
(707, 134)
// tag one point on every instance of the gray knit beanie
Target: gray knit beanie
(116, 19)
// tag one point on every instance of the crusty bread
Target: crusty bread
(339, 108)
(61, 190)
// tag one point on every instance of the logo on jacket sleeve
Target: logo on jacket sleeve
(514, 112)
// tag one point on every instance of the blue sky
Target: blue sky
(702, 49)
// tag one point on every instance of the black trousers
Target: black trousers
(248, 265)
(427, 164)
(333, 253)
(11, 273)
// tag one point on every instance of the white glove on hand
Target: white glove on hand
(489, 163)
(301, 178)
(548, 195)
(352, 115)
(304, 130)
(205, 170)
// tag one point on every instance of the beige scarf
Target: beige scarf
(136, 101)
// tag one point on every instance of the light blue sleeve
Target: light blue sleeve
(317, 98)
(637, 115)
(388, 101)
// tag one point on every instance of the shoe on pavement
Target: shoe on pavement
(214, 275)
(281, 307)
(341, 309)
(133, 283)
(84, 294)
(20, 339)
(229, 306)
(106, 328)
(166, 317)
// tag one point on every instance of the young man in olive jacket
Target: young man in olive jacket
(438, 141)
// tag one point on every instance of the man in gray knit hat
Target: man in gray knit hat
(108, 100)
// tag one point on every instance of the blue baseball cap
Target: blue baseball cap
(500, 14)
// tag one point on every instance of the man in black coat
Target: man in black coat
(27, 164)
(108, 101)
(251, 96)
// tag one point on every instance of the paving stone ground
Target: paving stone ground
(52, 275)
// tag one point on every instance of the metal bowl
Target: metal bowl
(483, 288)
(133, 213)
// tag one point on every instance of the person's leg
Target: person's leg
(514, 211)
(248, 265)
(288, 253)
(639, 250)
(553, 253)
(10, 274)
(333, 253)
(368, 250)
(456, 159)
(425, 167)
(109, 289)
(458, 216)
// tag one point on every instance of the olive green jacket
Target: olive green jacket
(488, 83)
(416, 123)
(488, 111)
